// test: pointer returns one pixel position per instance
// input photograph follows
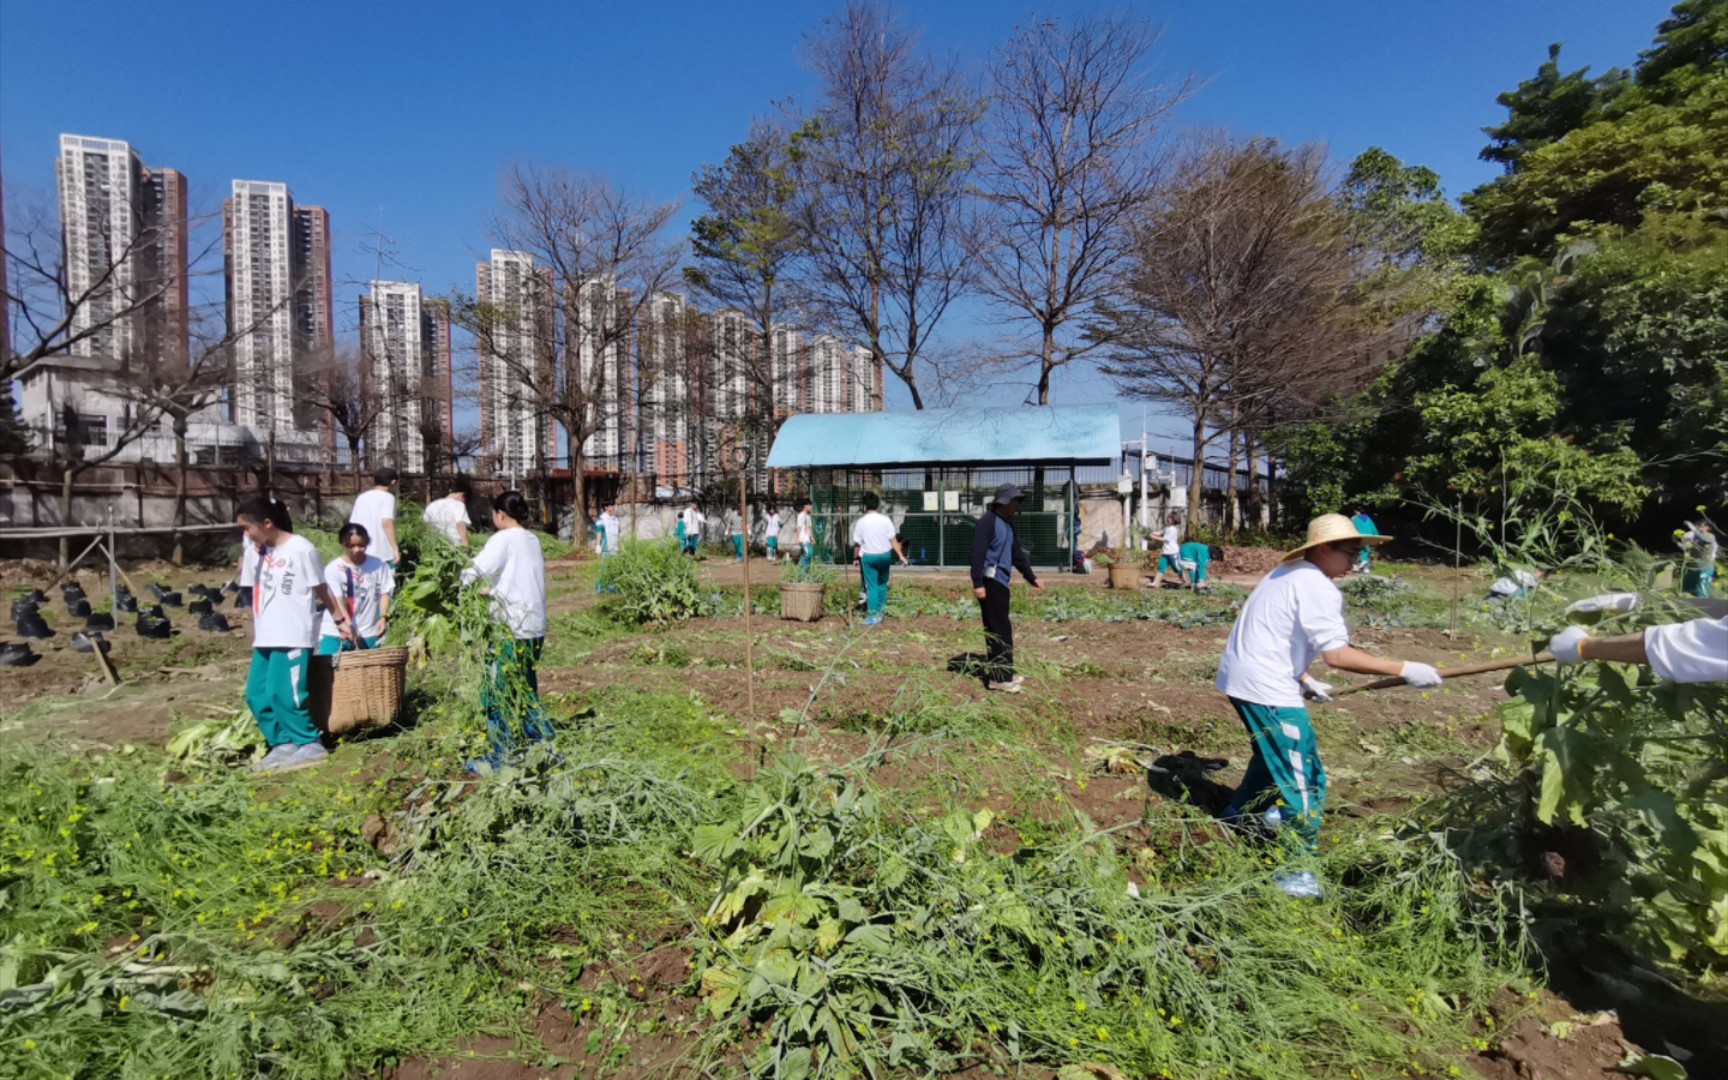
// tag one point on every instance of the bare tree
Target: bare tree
(140, 352)
(603, 256)
(339, 386)
(882, 171)
(1072, 157)
(1241, 305)
(52, 316)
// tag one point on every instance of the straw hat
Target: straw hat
(1329, 529)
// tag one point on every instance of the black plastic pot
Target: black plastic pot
(215, 622)
(17, 654)
(32, 626)
(155, 627)
(170, 599)
(21, 608)
(200, 605)
(78, 609)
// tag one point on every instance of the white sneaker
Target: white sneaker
(274, 760)
(1018, 679)
(1005, 687)
(304, 757)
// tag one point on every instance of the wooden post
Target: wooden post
(749, 650)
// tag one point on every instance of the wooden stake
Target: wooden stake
(1453, 673)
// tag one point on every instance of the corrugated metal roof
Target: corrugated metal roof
(1079, 434)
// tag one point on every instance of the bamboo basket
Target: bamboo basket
(358, 689)
(801, 601)
(1124, 577)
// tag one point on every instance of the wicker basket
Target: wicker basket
(801, 601)
(1124, 577)
(357, 689)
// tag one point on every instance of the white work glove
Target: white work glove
(1566, 645)
(1315, 690)
(1422, 676)
(1604, 603)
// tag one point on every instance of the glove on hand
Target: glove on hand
(1603, 603)
(1566, 645)
(1420, 675)
(1315, 690)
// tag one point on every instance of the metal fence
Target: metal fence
(937, 509)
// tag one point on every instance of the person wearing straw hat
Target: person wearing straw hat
(996, 553)
(1294, 615)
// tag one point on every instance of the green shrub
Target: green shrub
(814, 574)
(650, 581)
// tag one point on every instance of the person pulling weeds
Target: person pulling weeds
(1295, 614)
(287, 578)
(996, 553)
(514, 571)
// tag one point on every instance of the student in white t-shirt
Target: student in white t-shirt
(806, 535)
(1688, 652)
(513, 569)
(1170, 552)
(362, 585)
(289, 581)
(771, 533)
(692, 519)
(448, 517)
(1294, 615)
(875, 546)
(376, 510)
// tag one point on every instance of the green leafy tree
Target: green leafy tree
(1547, 108)
(745, 244)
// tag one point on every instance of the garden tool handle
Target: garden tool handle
(1451, 673)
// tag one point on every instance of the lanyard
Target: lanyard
(258, 578)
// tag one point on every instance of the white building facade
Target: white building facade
(123, 227)
(279, 315)
(406, 357)
(516, 345)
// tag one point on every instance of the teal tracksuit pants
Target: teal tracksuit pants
(277, 692)
(1286, 763)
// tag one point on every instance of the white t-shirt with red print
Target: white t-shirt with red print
(284, 612)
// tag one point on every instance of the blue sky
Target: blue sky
(408, 112)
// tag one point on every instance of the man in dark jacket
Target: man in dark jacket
(996, 553)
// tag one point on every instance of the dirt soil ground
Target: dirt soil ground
(1090, 685)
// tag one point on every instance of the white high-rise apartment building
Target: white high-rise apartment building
(259, 222)
(124, 230)
(515, 349)
(279, 311)
(730, 342)
(839, 377)
(604, 352)
(666, 391)
(788, 372)
(405, 342)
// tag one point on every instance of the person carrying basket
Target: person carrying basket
(362, 584)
